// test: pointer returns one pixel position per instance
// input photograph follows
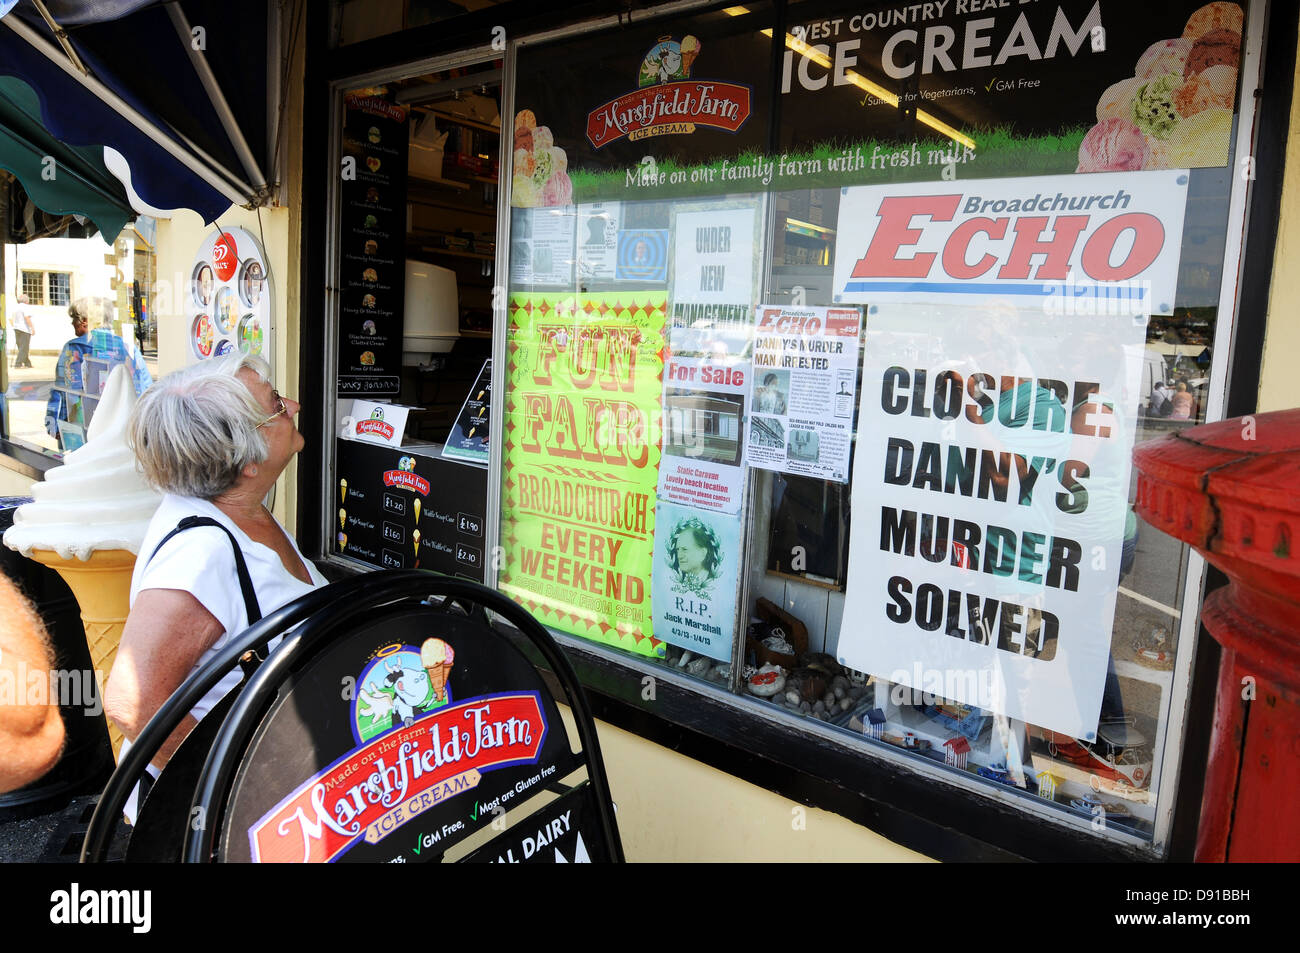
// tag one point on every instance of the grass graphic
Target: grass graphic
(998, 153)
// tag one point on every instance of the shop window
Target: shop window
(820, 388)
(416, 260)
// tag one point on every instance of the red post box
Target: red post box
(1232, 490)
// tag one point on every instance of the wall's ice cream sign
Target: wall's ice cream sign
(668, 102)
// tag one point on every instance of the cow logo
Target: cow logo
(668, 60)
(400, 684)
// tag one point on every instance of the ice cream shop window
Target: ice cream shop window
(822, 338)
(416, 263)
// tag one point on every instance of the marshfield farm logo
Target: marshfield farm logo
(376, 788)
(668, 102)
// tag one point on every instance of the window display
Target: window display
(820, 388)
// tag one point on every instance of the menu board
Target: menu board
(229, 306)
(372, 259)
(398, 509)
(582, 448)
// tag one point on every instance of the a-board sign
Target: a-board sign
(565, 831)
(395, 743)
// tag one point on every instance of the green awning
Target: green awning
(60, 179)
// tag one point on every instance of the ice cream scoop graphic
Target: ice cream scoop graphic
(343, 519)
(437, 657)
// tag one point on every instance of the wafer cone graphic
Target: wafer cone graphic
(102, 585)
(343, 490)
(437, 658)
(690, 48)
(417, 510)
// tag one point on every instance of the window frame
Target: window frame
(800, 758)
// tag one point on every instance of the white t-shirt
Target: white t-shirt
(201, 561)
(20, 320)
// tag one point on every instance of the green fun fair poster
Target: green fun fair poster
(582, 447)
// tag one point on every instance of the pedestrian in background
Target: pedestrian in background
(99, 342)
(20, 320)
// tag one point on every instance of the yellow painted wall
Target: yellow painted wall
(1279, 384)
(672, 808)
(14, 484)
(279, 228)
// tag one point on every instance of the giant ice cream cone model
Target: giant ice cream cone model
(87, 521)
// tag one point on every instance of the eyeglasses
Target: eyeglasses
(279, 402)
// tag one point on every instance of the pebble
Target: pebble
(840, 691)
(819, 707)
(828, 699)
(846, 704)
(805, 707)
(699, 665)
(856, 692)
(792, 697)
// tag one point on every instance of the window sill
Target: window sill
(782, 755)
(26, 460)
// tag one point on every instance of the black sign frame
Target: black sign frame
(324, 614)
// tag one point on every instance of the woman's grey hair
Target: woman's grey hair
(195, 430)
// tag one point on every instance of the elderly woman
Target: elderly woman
(213, 438)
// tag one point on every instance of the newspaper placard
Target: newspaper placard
(991, 518)
(804, 390)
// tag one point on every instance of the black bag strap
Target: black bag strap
(241, 568)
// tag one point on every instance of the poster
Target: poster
(598, 240)
(468, 440)
(803, 390)
(889, 92)
(582, 445)
(1001, 383)
(230, 302)
(542, 246)
(642, 255)
(713, 256)
(372, 259)
(696, 577)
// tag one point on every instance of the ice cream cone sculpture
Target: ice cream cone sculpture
(102, 586)
(87, 520)
(417, 510)
(343, 490)
(437, 658)
(343, 519)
